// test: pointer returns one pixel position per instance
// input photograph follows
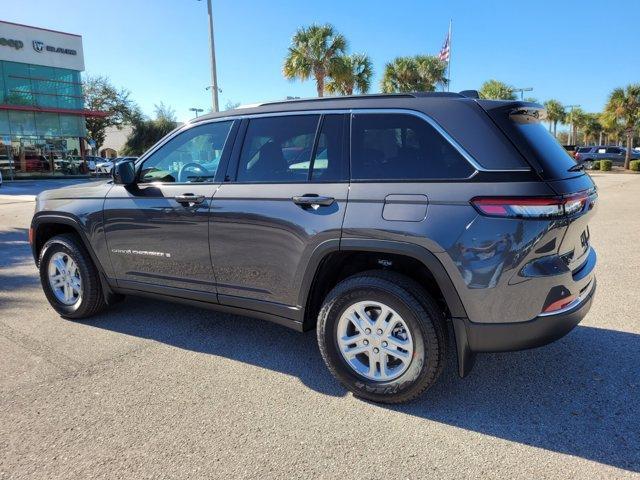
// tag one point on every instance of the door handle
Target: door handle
(189, 198)
(312, 200)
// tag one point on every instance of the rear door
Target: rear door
(284, 198)
(157, 231)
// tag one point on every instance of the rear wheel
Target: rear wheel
(379, 340)
(69, 278)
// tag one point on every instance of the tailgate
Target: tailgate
(575, 244)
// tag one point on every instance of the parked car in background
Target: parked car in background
(604, 152)
(571, 149)
(105, 166)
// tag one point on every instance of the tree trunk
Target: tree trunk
(550, 123)
(555, 128)
(319, 74)
(627, 155)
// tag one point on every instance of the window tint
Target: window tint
(401, 146)
(191, 156)
(584, 149)
(329, 164)
(278, 149)
(615, 150)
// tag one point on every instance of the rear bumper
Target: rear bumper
(474, 337)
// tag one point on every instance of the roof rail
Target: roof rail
(365, 96)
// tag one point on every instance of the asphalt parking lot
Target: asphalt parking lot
(155, 390)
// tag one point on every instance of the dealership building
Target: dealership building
(42, 114)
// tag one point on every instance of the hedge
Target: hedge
(634, 165)
(605, 165)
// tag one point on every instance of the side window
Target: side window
(614, 150)
(402, 147)
(278, 149)
(329, 164)
(191, 156)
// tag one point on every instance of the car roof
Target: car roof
(416, 101)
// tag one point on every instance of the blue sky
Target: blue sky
(575, 51)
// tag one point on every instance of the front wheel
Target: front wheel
(69, 278)
(379, 339)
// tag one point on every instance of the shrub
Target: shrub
(605, 165)
(634, 165)
(595, 165)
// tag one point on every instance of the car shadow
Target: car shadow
(579, 396)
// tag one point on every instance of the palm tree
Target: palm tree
(555, 113)
(349, 73)
(421, 73)
(311, 53)
(576, 118)
(624, 107)
(496, 90)
(592, 127)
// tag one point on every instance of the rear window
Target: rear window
(531, 137)
(584, 149)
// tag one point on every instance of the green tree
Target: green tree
(592, 128)
(577, 119)
(101, 95)
(555, 113)
(349, 73)
(623, 107)
(147, 132)
(496, 90)
(231, 105)
(313, 50)
(421, 73)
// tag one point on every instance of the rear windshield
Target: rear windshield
(525, 128)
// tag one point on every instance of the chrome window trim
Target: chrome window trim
(351, 111)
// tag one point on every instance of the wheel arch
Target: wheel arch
(317, 263)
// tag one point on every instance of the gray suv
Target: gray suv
(604, 152)
(384, 222)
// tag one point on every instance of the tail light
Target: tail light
(577, 156)
(31, 236)
(530, 207)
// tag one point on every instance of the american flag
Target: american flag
(446, 48)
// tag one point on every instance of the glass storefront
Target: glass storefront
(40, 143)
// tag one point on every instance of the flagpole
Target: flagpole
(449, 62)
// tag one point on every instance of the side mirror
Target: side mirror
(124, 173)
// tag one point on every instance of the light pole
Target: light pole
(212, 51)
(522, 90)
(196, 110)
(571, 140)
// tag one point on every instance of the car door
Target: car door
(157, 231)
(614, 153)
(283, 200)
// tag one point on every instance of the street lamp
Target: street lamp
(522, 90)
(212, 51)
(571, 140)
(196, 110)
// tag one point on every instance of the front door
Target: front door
(157, 232)
(284, 198)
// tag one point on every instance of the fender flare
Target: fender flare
(44, 218)
(427, 258)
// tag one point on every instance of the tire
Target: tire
(419, 313)
(91, 299)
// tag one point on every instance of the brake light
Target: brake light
(577, 156)
(530, 207)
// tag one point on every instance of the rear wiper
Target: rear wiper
(576, 168)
